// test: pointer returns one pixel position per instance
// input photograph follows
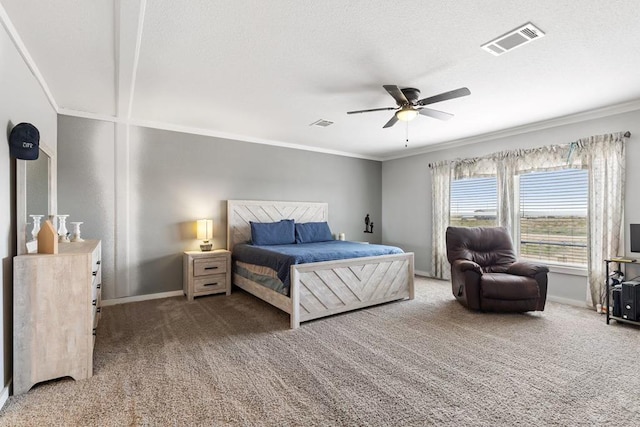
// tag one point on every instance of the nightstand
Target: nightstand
(206, 273)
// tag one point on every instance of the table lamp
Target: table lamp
(205, 233)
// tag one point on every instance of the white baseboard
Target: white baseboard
(4, 396)
(422, 273)
(138, 298)
(567, 301)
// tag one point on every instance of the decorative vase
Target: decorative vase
(47, 239)
(63, 233)
(75, 236)
(36, 226)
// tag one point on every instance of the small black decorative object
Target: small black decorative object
(368, 225)
(24, 142)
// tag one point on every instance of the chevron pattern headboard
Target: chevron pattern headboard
(240, 212)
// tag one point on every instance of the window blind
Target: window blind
(553, 216)
(473, 202)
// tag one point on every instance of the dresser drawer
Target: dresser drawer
(205, 267)
(96, 317)
(96, 288)
(211, 283)
(97, 307)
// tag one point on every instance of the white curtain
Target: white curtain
(550, 157)
(440, 185)
(506, 176)
(474, 168)
(604, 156)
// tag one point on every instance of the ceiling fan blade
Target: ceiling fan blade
(435, 113)
(391, 122)
(397, 94)
(373, 109)
(463, 91)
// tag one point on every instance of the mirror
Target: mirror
(38, 186)
(35, 193)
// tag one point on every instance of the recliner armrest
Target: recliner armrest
(466, 265)
(529, 269)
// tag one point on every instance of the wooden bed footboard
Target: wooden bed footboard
(324, 288)
(321, 289)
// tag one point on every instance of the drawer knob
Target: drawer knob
(94, 332)
(99, 285)
(95, 273)
(211, 284)
(99, 309)
(211, 268)
(94, 302)
(98, 262)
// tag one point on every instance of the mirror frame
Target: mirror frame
(21, 195)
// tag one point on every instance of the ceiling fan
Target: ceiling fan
(409, 106)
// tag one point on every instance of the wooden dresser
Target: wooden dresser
(56, 308)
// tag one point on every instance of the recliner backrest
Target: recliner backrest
(489, 247)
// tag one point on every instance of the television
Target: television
(635, 237)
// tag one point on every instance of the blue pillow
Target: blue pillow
(311, 232)
(273, 233)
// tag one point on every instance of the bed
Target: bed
(316, 289)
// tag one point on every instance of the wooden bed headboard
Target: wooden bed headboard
(240, 212)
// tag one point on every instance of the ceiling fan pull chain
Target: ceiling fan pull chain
(406, 143)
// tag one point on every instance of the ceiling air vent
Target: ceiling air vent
(322, 123)
(513, 39)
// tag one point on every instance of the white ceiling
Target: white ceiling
(263, 71)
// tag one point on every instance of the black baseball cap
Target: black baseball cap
(24, 142)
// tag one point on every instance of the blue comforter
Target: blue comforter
(281, 257)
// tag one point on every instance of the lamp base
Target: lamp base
(206, 246)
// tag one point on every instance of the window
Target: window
(553, 216)
(552, 213)
(473, 202)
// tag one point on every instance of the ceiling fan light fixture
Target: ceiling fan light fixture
(406, 114)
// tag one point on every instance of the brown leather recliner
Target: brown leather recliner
(485, 274)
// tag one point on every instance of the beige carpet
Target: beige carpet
(233, 361)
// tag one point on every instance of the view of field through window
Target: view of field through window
(552, 207)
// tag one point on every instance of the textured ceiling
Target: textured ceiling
(263, 71)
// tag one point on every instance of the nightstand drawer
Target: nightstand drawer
(212, 283)
(203, 267)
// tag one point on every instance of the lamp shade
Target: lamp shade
(406, 114)
(205, 229)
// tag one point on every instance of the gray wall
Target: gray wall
(22, 100)
(172, 179)
(86, 183)
(406, 190)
